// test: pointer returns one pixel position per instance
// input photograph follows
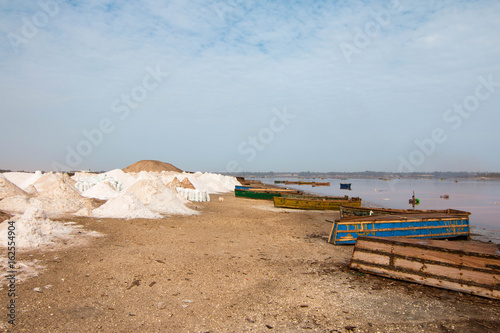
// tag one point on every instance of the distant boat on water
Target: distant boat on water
(345, 186)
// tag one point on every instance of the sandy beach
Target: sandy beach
(239, 266)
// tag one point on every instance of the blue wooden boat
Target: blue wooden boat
(424, 225)
(345, 186)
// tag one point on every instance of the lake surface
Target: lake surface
(480, 197)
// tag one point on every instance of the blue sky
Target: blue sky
(250, 85)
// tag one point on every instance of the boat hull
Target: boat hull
(462, 266)
(352, 211)
(313, 203)
(428, 225)
(256, 194)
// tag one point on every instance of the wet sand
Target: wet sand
(240, 266)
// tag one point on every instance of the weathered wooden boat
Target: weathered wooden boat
(345, 186)
(314, 202)
(314, 184)
(467, 267)
(263, 193)
(352, 211)
(412, 225)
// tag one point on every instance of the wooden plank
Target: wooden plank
(474, 290)
(430, 254)
(458, 274)
(372, 258)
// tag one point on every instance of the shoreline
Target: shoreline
(241, 265)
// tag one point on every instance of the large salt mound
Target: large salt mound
(46, 183)
(17, 178)
(159, 198)
(57, 195)
(8, 189)
(102, 190)
(33, 229)
(125, 206)
(151, 166)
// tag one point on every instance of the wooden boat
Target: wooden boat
(263, 193)
(289, 182)
(314, 184)
(345, 186)
(279, 181)
(411, 225)
(305, 183)
(314, 202)
(352, 211)
(467, 267)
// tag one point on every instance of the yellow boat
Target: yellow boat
(315, 203)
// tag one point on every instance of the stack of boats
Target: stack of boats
(290, 198)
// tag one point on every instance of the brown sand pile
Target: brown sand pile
(174, 183)
(151, 166)
(187, 184)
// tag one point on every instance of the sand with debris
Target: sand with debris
(238, 266)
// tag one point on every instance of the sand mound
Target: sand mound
(187, 184)
(174, 184)
(151, 166)
(8, 189)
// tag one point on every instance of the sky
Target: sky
(231, 85)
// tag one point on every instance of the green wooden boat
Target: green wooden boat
(314, 202)
(263, 193)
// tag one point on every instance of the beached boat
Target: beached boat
(314, 184)
(411, 225)
(263, 193)
(468, 267)
(314, 202)
(352, 211)
(345, 186)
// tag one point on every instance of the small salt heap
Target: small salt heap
(102, 190)
(159, 198)
(34, 229)
(125, 206)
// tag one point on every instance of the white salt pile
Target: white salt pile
(33, 229)
(17, 178)
(210, 182)
(57, 195)
(125, 206)
(7, 188)
(159, 198)
(102, 190)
